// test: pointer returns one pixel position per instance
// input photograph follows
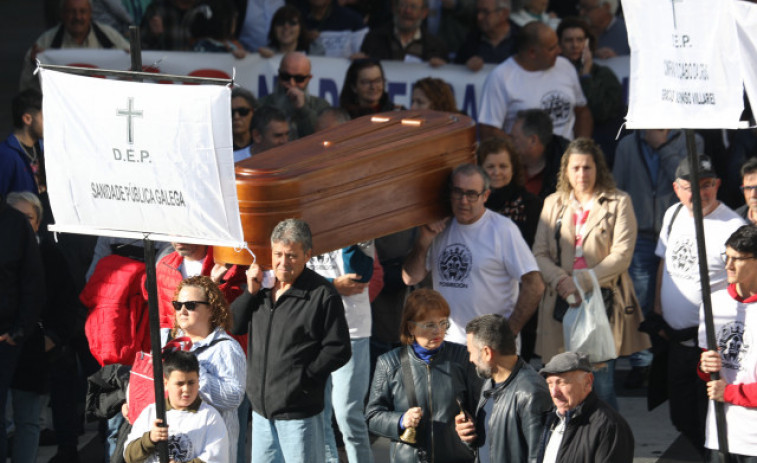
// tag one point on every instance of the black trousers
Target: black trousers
(687, 393)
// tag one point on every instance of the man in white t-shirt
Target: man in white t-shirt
(535, 77)
(478, 259)
(733, 313)
(679, 293)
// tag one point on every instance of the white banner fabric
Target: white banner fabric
(140, 158)
(746, 25)
(683, 64)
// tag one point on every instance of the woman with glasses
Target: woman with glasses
(442, 380)
(286, 33)
(588, 224)
(363, 91)
(202, 315)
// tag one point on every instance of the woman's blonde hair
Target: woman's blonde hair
(604, 182)
(219, 308)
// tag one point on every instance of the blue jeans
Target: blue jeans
(604, 383)
(643, 273)
(111, 439)
(345, 391)
(8, 358)
(26, 409)
(287, 441)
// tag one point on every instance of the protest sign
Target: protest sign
(127, 158)
(683, 57)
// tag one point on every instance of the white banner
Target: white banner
(126, 157)
(684, 64)
(746, 22)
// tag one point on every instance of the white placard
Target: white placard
(684, 64)
(125, 157)
(746, 26)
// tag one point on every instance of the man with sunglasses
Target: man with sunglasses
(678, 295)
(749, 187)
(478, 259)
(735, 331)
(292, 98)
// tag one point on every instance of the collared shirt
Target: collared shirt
(555, 439)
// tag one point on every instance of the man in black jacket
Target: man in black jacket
(298, 335)
(22, 295)
(582, 427)
(514, 400)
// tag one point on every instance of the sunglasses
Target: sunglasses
(286, 77)
(243, 112)
(190, 305)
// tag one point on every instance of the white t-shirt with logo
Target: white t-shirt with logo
(736, 335)
(477, 268)
(681, 291)
(509, 88)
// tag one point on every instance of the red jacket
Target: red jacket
(117, 323)
(168, 275)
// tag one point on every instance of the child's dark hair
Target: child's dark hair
(180, 361)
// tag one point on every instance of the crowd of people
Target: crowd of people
(428, 337)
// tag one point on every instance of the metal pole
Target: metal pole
(705, 280)
(152, 286)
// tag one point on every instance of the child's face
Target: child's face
(182, 388)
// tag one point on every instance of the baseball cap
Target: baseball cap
(704, 168)
(565, 362)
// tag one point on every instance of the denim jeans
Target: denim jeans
(111, 437)
(643, 273)
(345, 391)
(8, 358)
(604, 383)
(26, 409)
(290, 441)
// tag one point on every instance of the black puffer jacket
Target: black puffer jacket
(595, 432)
(449, 375)
(521, 405)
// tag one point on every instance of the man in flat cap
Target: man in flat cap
(581, 427)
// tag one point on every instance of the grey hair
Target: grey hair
(292, 231)
(338, 113)
(503, 4)
(17, 197)
(613, 5)
(471, 169)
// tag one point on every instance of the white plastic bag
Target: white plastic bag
(586, 328)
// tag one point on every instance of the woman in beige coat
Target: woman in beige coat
(597, 230)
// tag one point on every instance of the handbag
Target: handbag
(586, 327)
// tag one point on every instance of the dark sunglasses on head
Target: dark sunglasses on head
(291, 22)
(286, 77)
(190, 305)
(241, 111)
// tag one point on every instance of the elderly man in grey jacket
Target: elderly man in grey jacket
(514, 401)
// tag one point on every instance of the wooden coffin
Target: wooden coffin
(370, 177)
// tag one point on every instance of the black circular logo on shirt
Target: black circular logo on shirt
(455, 262)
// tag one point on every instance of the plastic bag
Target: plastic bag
(586, 328)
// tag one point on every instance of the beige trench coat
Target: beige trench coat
(608, 245)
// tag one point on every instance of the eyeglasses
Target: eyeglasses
(748, 188)
(289, 22)
(430, 326)
(190, 305)
(702, 186)
(726, 258)
(286, 77)
(457, 194)
(243, 112)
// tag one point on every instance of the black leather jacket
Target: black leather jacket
(521, 405)
(447, 376)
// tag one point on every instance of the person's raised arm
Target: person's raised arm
(414, 269)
